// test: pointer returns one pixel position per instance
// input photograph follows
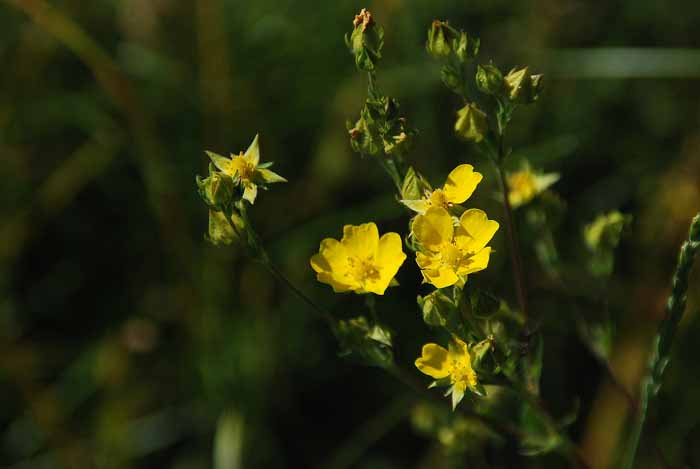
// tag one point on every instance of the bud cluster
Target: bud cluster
(380, 129)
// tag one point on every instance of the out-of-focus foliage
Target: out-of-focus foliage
(127, 341)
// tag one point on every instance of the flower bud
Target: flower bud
(369, 343)
(489, 80)
(472, 123)
(366, 41)
(523, 87)
(221, 232)
(217, 190)
(361, 140)
(466, 47)
(440, 39)
(605, 231)
(436, 308)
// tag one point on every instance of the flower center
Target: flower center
(438, 198)
(462, 374)
(523, 183)
(450, 255)
(243, 167)
(363, 269)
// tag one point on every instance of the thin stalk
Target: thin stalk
(661, 347)
(518, 276)
(321, 312)
(258, 252)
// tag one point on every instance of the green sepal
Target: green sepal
(371, 344)
(414, 185)
(478, 389)
(457, 396)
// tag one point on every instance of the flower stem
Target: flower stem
(516, 259)
(321, 312)
(258, 252)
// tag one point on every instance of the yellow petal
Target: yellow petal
(516, 199)
(361, 241)
(461, 183)
(338, 283)
(475, 230)
(433, 361)
(434, 228)
(428, 260)
(458, 350)
(252, 154)
(222, 163)
(543, 181)
(442, 277)
(419, 206)
(269, 177)
(475, 263)
(250, 193)
(388, 260)
(331, 266)
(331, 256)
(390, 252)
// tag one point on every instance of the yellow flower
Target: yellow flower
(361, 261)
(247, 167)
(525, 184)
(460, 185)
(454, 364)
(447, 254)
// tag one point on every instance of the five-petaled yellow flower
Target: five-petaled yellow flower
(448, 253)
(361, 261)
(459, 186)
(247, 167)
(525, 184)
(453, 365)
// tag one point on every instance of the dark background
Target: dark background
(126, 340)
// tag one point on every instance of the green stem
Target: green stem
(259, 253)
(516, 259)
(661, 347)
(321, 312)
(371, 303)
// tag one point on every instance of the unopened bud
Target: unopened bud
(489, 79)
(466, 47)
(222, 231)
(472, 123)
(523, 87)
(440, 39)
(217, 190)
(366, 41)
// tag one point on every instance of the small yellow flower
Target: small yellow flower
(248, 168)
(449, 255)
(525, 184)
(361, 261)
(454, 364)
(460, 185)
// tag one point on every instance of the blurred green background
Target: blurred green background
(126, 341)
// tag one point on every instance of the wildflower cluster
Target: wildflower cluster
(487, 344)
